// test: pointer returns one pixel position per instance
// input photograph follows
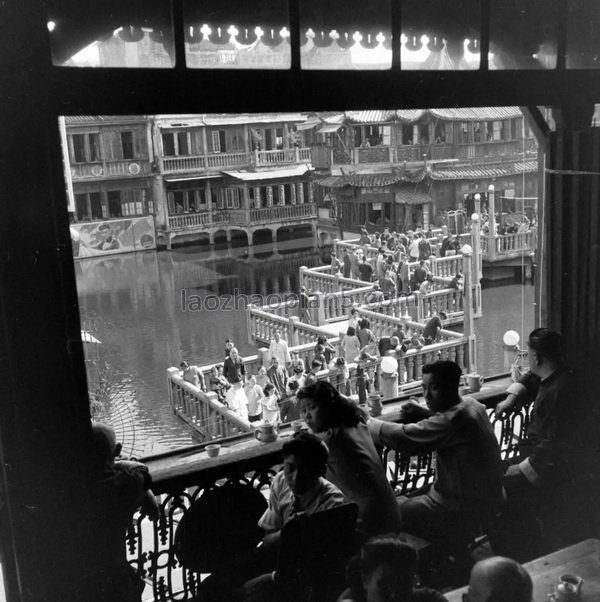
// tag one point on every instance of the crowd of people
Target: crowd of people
(338, 461)
(389, 270)
(286, 372)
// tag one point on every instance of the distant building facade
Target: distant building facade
(404, 169)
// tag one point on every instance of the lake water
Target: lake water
(133, 305)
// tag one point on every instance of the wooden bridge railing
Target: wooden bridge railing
(202, 411)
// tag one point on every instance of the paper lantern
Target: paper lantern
(389, 365)
(511, 338)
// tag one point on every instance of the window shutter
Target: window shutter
(216, 142)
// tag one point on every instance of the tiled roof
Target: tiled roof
(370, 116)
(411, 196)
(370, 180)
(464, 114)
(495, 170)
(83, 119)
(410, 115)
(477, 114)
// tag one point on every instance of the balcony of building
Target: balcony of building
(336, 158)
(106, 170)
(212, 162)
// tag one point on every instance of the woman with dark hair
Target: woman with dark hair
(365, 336)
(354, 464)
(350, 345)
(384, 571)
(328, 349)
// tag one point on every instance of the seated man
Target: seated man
(550, 442)
(552, 478)
(468, 483)
(299, 489)
(384, 571)
(117, 490)
(499, 579)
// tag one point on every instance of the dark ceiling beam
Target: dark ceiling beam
(148, 91)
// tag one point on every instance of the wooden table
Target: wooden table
(581, 559)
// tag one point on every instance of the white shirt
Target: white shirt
(280, 351)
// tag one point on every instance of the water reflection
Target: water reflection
(133, 304)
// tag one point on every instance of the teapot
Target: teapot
(474, 382)
(265, 432)
(567, 590)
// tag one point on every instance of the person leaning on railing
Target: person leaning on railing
(354, 464)
(468, 483)
(555, 474)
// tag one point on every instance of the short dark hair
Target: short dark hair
(310, 448)
(447, 373)
(548, 343)
(351, 332)
(268, 388)
(342, 411)
(388, 549)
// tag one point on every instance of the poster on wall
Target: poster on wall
(96, 239)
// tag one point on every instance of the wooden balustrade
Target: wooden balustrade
(180, 478)
(199, 220)
(108, 169)
(207, 416)
(282, 213)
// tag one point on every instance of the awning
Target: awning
(311, 122)
(329, 128)
(269, 174)
(194, 177)
(406, 196)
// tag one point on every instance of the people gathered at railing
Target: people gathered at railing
(472, 491)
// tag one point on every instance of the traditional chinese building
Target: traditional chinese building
(402, 168)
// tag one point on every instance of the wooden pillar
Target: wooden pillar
(570, 235)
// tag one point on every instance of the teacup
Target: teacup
(474, 382)
(265, 432)
(568, 589)
(212, 450)
(297, 425)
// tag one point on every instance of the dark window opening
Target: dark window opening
(127, 145)
(114, 203)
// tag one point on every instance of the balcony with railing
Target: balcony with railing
(181, 478)
(220, 161)
(102, 170)
(283, 213)
(481, 152)
(202, 220)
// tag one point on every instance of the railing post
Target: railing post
(294, 321)
(468, 327)
(476, 241)
(420, 309)
(302, 275)
(319, 315)
(256, 157)
(263, 354)
(336, 242)
(339, 284)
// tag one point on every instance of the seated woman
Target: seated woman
(354, 464)
(384, 571)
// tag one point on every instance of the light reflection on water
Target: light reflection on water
(134, 303)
